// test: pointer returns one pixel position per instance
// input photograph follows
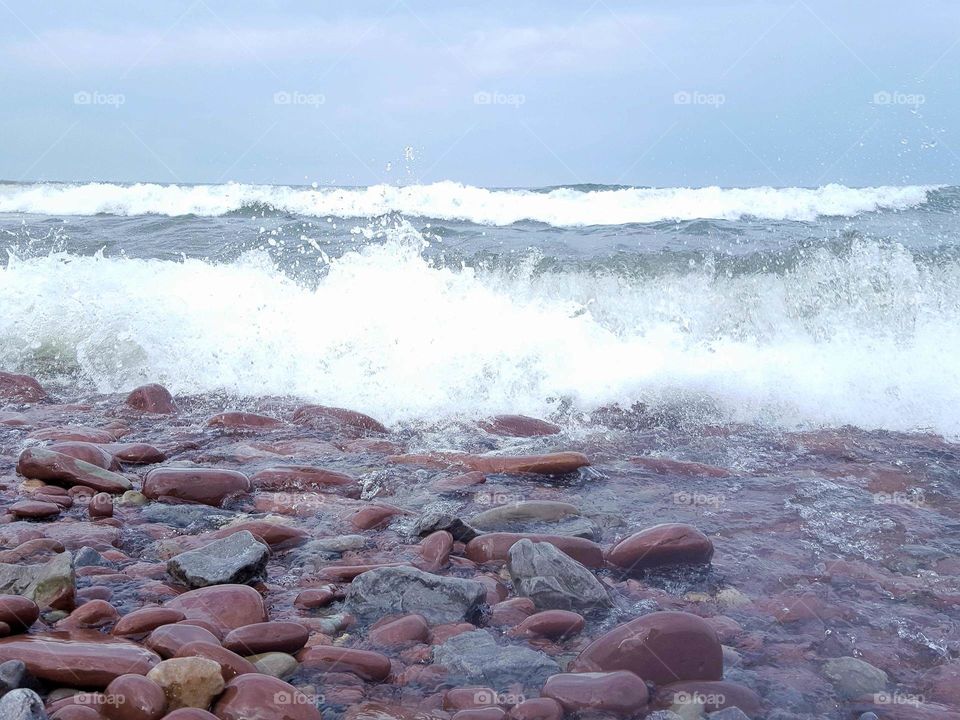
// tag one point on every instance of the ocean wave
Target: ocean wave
(867, 337)
(560, 207)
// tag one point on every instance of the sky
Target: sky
(518, 94)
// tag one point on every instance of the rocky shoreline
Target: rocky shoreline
(184, 559)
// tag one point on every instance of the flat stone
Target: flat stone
(134, 697)
(50, 585)
(400, 590)
(236, 559)
(14, 675)
(146, 620)
(495, 547)
(660, 545)
(554, 580)
(552, 624)
(34, 509)
(226, 607)
(84, 658)
(209, 486)
(852, 677)
(262, 697)
(167, 640)
(334, 418)
(49, 466)
(230, 663)
(276, 664)
(475, 658)
(561, 463)
(183, 515)
(518, 426)
(22, 704)
(620, 692)
(18, 612)
(305, 477)
(287, 637)
(502, 515)
(365, 664)
(661, 647)
(190, 682)
(88, 452)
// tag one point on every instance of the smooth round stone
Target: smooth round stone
(18, 612)
(713, 696)
(226, 607)
(64, 502)
(20, 388)
(134, 697)
(311, 599)
(495, 547)
(168, 639)
(464, 698)
(552, 624)
(190, 714)
(518, 426)
(135, 453)
(92, 614)
(78, 658)
(264, 698)
(275, 664)
(244, 421)
(210, 486)
(133, 497)
(661, 647)
(373, 516)
(77, 712)
(435, 549)
(152, 398)
(511, 612)
(304, 477)
(401, 631)
(230, 663)
(560, 463)
(364, 664)
(541, 708)
(288, 637)
(88, 452)
(620, 692)
(188, 682)
(101, 506)
(208, 626)
(145, 620)
(34, 509)
(666, 544)
(334, 416)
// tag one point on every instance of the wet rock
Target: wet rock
(236, 559)
(403, 630)
(208, 486)
(49, 466)
(518, 426)
(167, 640)
(84, 658)
(735, 713)
(276, 664)
(476, 658)
(182, 515)
(334, 545)
(434, 521)
(435, 550)
(459, 482)
(244, 421)
(660, 545)
(619, 692)
(561, 463)
(134, 697)
(145, 620)
(88, 557)
(51, 584)
(226, 607)
(34, 509)
(314, 598)
(943, 683)
(711, 696)
(501, 516)
(20, 388)
(152, 398)
(511, 612)
(401, 590)
(333, 418)
(304, 477)
(88, 452)
(495, 547)
(554, 580)
(100, 506)
(190, 682)
(13, 675)
(852, 677)
(93, 614)
(552, 624)
(22, 704)
(541, 708)
(288, 637)
(230, 663)
(264, 698)
(664, 466)
(374, 516)
(190, 714)
(365, 664)
(661, 647)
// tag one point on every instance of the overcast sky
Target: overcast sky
(533, 93)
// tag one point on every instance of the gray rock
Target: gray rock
(553, 579)
(852, 677)
(184, 515)
(475, 658)
(22, 704)
(869, 716)
(88, 557)
(501, 516)
(389, 590)
(13, 675)
(335, 545)
(663, 715)
(53, 582)
(436, 520)
(238, 558)
(730, 713)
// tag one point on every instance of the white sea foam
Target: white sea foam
(870, 338)
(562, 207)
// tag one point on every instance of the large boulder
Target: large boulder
(236, 559)
(42, 464)
(552, 579)
(662, 647)
(398, 590)
(50, 585)
(475, 658)
(209, 486)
